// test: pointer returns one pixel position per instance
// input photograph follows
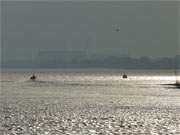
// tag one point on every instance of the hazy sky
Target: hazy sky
(145, 28)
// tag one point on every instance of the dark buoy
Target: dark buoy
(124, 76)
(33, 78)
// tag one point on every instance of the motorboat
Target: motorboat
(33, 78)
(177, 84)
(124, 76)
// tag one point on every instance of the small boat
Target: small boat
(124, 76)
(177, 84)
(33, 78)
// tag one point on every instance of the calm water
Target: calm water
(145, 85)
(81, 95)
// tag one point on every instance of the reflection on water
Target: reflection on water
(138, 82)
(89, 102)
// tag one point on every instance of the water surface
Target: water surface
(84, 101)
